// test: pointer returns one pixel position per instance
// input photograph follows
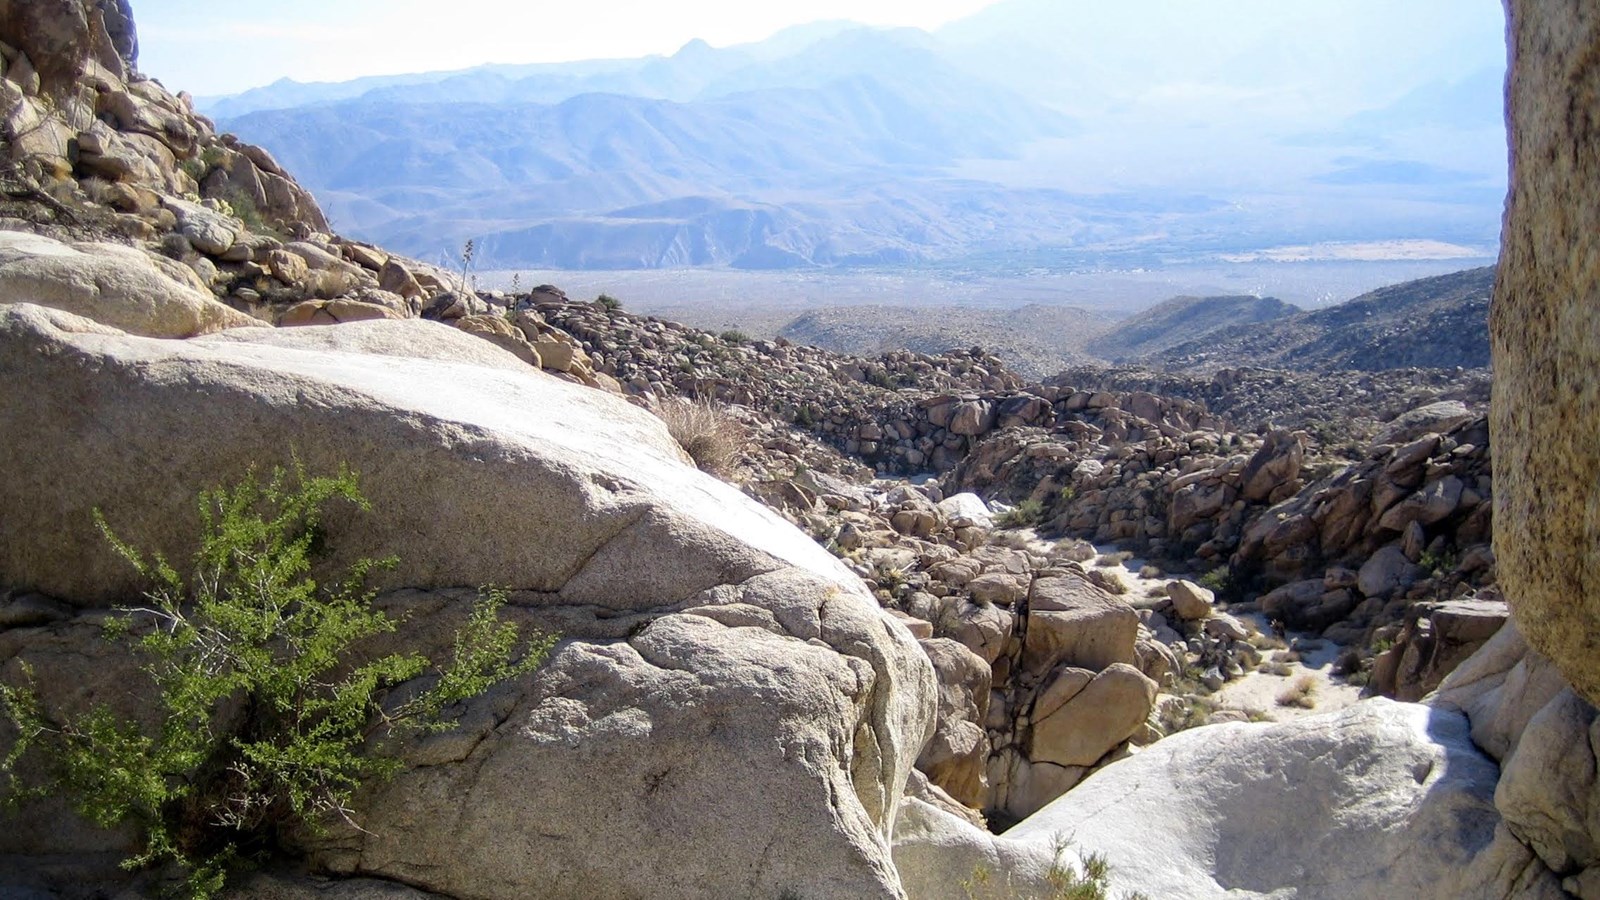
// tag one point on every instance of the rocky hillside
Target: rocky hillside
(1034, 340)
(1438, 322)
(1342, 409)
(1180, 320)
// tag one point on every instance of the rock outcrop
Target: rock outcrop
(1546, 340)
(1382, 799)
(736, 717)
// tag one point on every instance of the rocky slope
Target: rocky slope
(1181, 320)
(1431, 323)
(1034, 340)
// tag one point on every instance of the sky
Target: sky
(209, 48)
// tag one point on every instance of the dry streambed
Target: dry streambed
(1296, 676)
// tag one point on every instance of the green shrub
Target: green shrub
(608, 302)
(1062, 881)
(1026, 514)
(1437, 563)
(733, 336)
(271, 721)
(1219, 581)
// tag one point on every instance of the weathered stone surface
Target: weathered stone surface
(111, 284)
(208, 231)
(1547, 791)
(1189, 600)
(1546, 340)
(1071, 621)
(954, 759)
(1093, 720)
(1381, 799)
(1431, 645)
(1386, 572)
(62, 38)
(967, 506)
(496, 330)
(1425, 507)
(1434, 418)
(765, 756)
(1275, 466)
(1500, 688)
(998, 588)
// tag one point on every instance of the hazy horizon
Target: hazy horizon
(196, 49)
(996, 135)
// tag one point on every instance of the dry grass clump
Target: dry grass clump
(1302, 693)
(708, 432)
(1261, 640)
(1109, 560)
(1183, 713)
(1280, 663)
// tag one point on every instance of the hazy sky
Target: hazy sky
(225, 47)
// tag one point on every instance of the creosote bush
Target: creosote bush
(710, 434)
(272, 718)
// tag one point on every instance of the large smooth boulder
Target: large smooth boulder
(1086, 724)
(1072, 621)
(111, 284)
(1433, 418)
(1381, 799)
(1544, 327)
(731, 714)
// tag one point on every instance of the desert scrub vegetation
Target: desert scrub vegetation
(272, 718)
(1219, 581)
(1303, 693)
(1116, 558)
(708, 432)
(1183, 713)
(1063, 881)
(1027, 514)
(1280, 663)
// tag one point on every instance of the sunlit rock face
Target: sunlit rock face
(1545, 325)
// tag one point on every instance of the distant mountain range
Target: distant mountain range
(1073, 131)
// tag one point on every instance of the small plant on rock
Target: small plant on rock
(608, 302)
(272, 719)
